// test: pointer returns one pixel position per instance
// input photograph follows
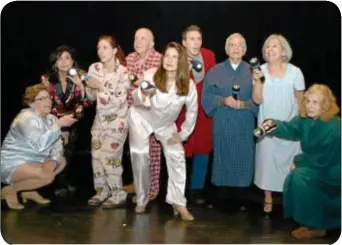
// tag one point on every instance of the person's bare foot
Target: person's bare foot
(307, 233)
(129, 188)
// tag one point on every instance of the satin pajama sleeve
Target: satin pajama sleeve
(57, 148)
(35, 135)
(191, 113)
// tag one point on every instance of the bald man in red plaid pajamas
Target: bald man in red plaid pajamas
(144, 58)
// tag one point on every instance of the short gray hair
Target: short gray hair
(285, 45)
(233, 35)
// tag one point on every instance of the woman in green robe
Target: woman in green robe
(312, 190)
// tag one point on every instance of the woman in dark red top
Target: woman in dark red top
(68, 96)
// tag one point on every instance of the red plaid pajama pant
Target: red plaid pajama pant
(155, 159)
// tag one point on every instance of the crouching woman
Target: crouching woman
(32, 151)
(312, 190)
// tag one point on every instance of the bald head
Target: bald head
(143, 41)
(145, 32)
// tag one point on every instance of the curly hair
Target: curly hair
(182, 73)
(31, 92)
(329, 107)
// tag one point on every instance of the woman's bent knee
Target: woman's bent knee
(61, 166)
(26, 171)
(47, 177)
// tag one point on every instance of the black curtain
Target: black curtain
(31, 30)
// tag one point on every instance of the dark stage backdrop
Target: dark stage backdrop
(31, 30)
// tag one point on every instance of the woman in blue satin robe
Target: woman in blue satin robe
(32, 151)
(233, 119)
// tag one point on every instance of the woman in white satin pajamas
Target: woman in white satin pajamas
(155, 111)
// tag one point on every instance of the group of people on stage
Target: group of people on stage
(189, 109)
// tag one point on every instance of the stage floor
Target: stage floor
(71, 221)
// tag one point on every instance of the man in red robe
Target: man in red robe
(199, 145)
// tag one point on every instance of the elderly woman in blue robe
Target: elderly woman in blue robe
(32, 151)
(233, 116)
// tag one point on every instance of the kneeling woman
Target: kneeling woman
(155, 111)
(312, 190)
(32, 151)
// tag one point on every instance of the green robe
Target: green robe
(312, 191)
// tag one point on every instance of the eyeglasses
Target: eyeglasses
(44, 98)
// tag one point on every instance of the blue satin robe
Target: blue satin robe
(31, 138)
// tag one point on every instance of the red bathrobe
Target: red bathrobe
(200, 142)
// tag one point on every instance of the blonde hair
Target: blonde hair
(285, 46)
(230, 37)
(329, 107)
(31, 92)
(189, 29)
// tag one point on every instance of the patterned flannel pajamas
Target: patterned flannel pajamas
(109, 131)
(107, 149)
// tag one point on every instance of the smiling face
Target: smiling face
(64, 62)
(170, 60)
(193, 42)
(105, 51)
(273, 50)
(42, 103)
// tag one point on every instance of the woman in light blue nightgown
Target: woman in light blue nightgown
(279, 97)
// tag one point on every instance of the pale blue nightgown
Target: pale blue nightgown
(31, 138)
(273, 155)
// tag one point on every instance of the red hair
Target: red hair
(120, 55)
